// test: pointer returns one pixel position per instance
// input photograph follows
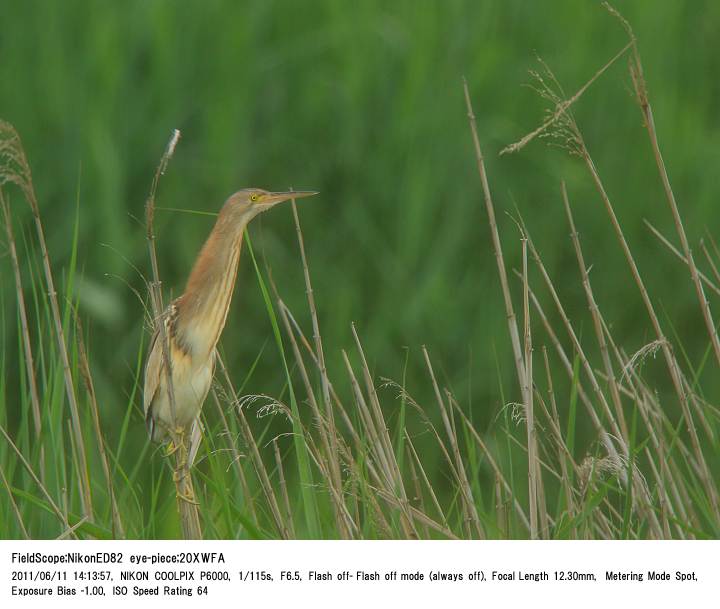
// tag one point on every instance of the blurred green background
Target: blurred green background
(363, 102)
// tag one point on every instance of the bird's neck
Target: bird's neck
(203, 308)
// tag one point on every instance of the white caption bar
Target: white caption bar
(81, 574)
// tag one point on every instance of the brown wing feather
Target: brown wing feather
(153, 367)
(198, 429)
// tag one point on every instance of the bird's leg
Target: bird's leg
(177, 436)
(181, 448)
(189, 498)
(181, 474)
(177, 441)
(171, 448)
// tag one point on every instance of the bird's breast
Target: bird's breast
(191, 380)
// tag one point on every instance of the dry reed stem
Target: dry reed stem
(580, 148)
(463, 482)
(493, 464)
(416, 514)
(426, 481)
(663, 498)
(563, 452)
(553, 420)
(336, 478)
(258, 463)
(236, 456)
(711, 262)
(714, 245)
(357, 441)
(27, 345)
(638, 79)
(188, 510)
(671, 362)
(159, 313)
(356, 478)
(451, 461)
(595, 420)
(14, 506)
(543, 464)
(66, 533)
(501, 516)
(589, 372)
(376, 412)
(497, 246)
(582, 151)
(376, 447)
(369, 459)
(700, 405)
(674, 250)
(580, 351)
(16, 169)
(380, 445)
(533, 473)
(74, 458)
(118, 530)
(61, 516)
(283, 489)
(294, 328)
(381, 426)
(418, 489)
(644, 399)
(717, 254)
(328, 433)
(335, 495)
(593, 308)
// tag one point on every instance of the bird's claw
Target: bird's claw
(180, 474)
(189, 498)
(177, 441)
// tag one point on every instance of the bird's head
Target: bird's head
(247, 203)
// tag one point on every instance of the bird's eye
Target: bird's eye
(254, 197)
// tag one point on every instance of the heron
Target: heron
(193, 323)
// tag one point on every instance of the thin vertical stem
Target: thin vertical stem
(533, 470)
(594, 313)
(636, 72)
(187, 507)
(330, 431)
(29, 364)
(21, 174)
(511, 319)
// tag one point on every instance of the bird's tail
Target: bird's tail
(196, 434)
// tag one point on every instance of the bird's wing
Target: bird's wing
(198, 429)
(153, 367)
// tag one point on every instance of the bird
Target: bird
(194, 321)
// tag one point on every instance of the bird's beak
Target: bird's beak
(274, 198)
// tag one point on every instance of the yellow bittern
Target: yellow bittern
(194, 321)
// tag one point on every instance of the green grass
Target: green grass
(422, 442)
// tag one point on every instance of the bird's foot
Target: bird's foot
(177, 441)
(187, 498)
(180, 474)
